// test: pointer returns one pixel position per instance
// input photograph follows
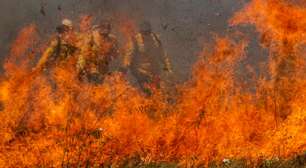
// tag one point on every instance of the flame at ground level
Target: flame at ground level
(214, 116)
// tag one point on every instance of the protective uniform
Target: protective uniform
(61, 47)
(285, 79)
(145, 57)
(99, 48)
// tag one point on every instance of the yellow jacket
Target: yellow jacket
(58, 50)
(96, 52)
(146, 55)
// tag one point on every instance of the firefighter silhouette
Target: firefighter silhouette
(146, 58)
(99, 48)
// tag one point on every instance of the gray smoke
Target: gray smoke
(183, 24)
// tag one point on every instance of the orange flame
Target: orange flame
(64, 122)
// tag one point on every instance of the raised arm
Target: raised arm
(165, 58)
(47, 54)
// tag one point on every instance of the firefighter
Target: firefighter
(286, 78)
(61, 47)
(146, 59)
(97, 52)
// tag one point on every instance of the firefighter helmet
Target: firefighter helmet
(145, 26)
(67, 22)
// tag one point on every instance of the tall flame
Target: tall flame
(55, 120)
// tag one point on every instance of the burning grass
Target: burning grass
(53, 120)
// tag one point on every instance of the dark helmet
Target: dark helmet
(104, 27)
(145, 26)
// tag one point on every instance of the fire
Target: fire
(55, 120)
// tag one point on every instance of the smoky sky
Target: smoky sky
(183, 25)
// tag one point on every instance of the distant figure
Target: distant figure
(286, 79)
(98, 49)
(60, 48)
(146, 58)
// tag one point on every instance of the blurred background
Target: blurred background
(185, 26)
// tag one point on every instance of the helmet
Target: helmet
(145, 26)
(103, 27)
(95, 27)
(65, 26)
(67, 22)
(106, 25)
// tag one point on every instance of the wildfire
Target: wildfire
(213, 118)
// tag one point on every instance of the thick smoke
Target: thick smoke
(184, 25)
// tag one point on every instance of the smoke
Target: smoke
(184, 25)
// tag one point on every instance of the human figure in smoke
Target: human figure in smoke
(62, 47)
(98, 49)
(146, 58)
(285, 82)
